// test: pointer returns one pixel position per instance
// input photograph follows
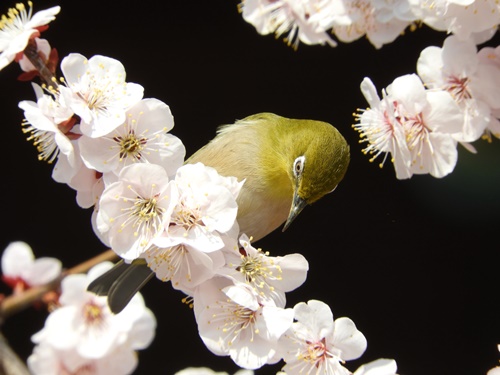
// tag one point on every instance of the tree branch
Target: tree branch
(15, 303)
(10, 363)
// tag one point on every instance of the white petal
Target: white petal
(317, 316)
(294, 272)
(381, 366)
(16, 257)
(73, 289)
(43, 17)
(44, 270)
(348, 339)
(277, 321)
(370, 92)
(252, 354)
(242, 296)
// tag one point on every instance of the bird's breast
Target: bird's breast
(259, 213)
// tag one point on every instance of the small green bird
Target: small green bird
(286, 163)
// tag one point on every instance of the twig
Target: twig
(46, 75)
(15, 303)
(10, 363)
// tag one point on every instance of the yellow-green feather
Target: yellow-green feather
(262, 149)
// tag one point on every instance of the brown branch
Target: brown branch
(46, 75)
(10, 363)
(15, 303)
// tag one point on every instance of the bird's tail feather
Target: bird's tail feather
(121, 283)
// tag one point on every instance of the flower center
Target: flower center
(186, 217)
(458, 88)
(146, 209)
(259, 269)
(130, 145)
(93, 314)
(251, 268)
(416, 131)
(233, 320)
(316, 352)
(96, 100)
(145, 215)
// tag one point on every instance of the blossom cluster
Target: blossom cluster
(421, 118)
(113, 147)
(380, 21)
(21, 271)
(380, 366)
(82, 335)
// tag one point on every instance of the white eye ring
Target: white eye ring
(298, 165)
(331, 191)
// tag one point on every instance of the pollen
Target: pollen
(259, 270)
(131, 146)
(458, 87)
(316, 353)
(44, 141)
(186, 216)
(144, 214)
(93, 313)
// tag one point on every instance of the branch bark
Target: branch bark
(15, 303)
(10, 363)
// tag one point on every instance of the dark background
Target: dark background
(414, 263)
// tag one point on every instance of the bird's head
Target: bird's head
(313, 154)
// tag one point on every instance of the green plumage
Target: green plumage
(286, 164)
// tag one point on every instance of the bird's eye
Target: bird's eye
(298, 165)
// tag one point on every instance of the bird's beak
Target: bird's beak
(298, 205)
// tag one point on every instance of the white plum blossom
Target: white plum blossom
(312, 22)
(184, 266)
(474, 85)
(82, 333)
(141, 138)
(88, 183)
(464, 18)
(379, 127)
(18, 27)
(205, 214)
(317, 344)
(96, 91)
(21, 270)
(270, 277)
(429, 119)
(233, 321)
(136, 209)
(381, 366)
(390, 9)
(202, 223)
(49, 124)
(490, 55)
(46, 360)
(293, 18)
(380, 23)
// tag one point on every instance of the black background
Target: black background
(414, 263)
